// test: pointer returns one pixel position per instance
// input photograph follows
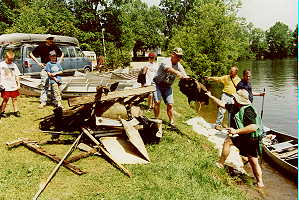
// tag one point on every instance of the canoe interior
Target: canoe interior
(287, 165)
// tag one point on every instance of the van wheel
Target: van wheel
(87, 69)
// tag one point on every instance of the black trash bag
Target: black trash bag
(141, 78)
(150, 133)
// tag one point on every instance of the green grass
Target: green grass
(181, 167)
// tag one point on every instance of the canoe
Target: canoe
(75, 86)
(282, 150)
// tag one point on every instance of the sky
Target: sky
(264, 13)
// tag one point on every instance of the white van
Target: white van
(91, 55)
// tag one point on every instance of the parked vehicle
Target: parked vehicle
(22, 44)
(91, 55)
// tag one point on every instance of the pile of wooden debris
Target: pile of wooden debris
(118, 139)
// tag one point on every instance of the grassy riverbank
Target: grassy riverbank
(182, 165)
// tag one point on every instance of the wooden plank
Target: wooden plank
(135, 139)
(57, 167)
(111, 95)
(104, 121)
(85, 147)
(285, 147)
(33, 146)
(120, 166)
(287, 154)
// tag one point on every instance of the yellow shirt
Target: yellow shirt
(229, 87)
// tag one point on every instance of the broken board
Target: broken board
(122, 150)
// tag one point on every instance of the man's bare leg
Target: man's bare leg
(257, 170)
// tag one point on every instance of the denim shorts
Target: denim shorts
(165, 93)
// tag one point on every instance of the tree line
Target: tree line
(209, 31)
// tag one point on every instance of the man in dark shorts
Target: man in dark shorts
(244, 133)
(43, 51)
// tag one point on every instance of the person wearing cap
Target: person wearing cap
(43, 51)
(245, 131)
(54, 69)
(10, 81)
(150, 71)
(168, 70)
(229, 82)
(245, 84)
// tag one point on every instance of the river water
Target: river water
(280, 112)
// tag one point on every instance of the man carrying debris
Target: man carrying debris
(43, 51)
(166, 74)
(246, 125)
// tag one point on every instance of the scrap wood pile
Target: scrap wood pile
(121, 141)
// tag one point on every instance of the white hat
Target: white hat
(178, 51)
(52, 53)
(242, 97)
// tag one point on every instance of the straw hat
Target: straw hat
(242, 97)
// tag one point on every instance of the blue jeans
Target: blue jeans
(227, 99)
(165, 93)
(45, 86)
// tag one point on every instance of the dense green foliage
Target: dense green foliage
(210, 32)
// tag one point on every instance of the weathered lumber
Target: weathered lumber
(111, 95)
(104, 121)
(120, 166)
(33, 146)
(135, 138)
(85, 147)
(57, 167)
(82, 155)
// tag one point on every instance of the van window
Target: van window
(72, 52)
(64, 51)
(79, 52)
(15, 49)
(29, 49)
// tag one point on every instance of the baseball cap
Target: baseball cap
(52, 53)
(151, 55)
(178, 51)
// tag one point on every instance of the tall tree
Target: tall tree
(211, 38)
(258, 44)
(44, 16)
(278, 37)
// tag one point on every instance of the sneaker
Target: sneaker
(3, 115)
(17, 114)
(219, 127)
(41, 105)
(219, 165)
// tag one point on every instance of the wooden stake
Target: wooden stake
(57, 167)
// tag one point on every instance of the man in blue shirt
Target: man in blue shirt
(245, 84)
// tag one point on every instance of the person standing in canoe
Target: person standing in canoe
(246, 131)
